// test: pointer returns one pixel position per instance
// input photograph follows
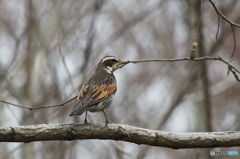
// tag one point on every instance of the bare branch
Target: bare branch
(45, 106)
(188, 59)
(217, 28)
(223, 16)
(235, 44)
(46, 132)
(199, 21)
(63, 58)
(231, 24)
(234, 73)
(130, 24)
(231, 68)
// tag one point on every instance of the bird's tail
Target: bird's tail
(78, 110)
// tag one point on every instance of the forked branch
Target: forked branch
(218, 58)
(232, 24)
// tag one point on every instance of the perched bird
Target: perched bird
(97, 92)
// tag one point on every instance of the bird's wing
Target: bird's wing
(98, 93)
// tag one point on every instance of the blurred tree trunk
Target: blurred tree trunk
(36, 50)
(204, 115)
(27, 151)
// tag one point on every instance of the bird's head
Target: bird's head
(110, 64)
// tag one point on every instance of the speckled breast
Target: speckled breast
(102, 105)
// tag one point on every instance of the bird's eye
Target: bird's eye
(113, 60)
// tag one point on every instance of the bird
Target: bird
(97, 92)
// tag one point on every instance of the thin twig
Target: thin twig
(63, 58)
(91, 33)
(231, 23)
(217, 28)
(234, 73)
(218, 58)
(235, 44)
(44, 106)
(199, 21)
(177, 59)
(223, 16)
(130, 24)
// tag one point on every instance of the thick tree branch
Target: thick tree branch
(45, 132)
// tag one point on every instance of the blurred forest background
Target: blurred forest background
(48, 47)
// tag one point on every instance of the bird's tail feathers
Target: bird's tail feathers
(78, 110)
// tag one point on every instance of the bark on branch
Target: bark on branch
(45, 132)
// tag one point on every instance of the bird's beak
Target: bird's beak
(120, 64)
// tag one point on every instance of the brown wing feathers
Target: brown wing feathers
(89, 97)
(103, 92)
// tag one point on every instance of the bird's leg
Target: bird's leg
(107, 122)
(85, 120)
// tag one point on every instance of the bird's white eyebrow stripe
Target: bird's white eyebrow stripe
(109, 58)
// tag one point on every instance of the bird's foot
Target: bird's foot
(86, 122)
(107, 122)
